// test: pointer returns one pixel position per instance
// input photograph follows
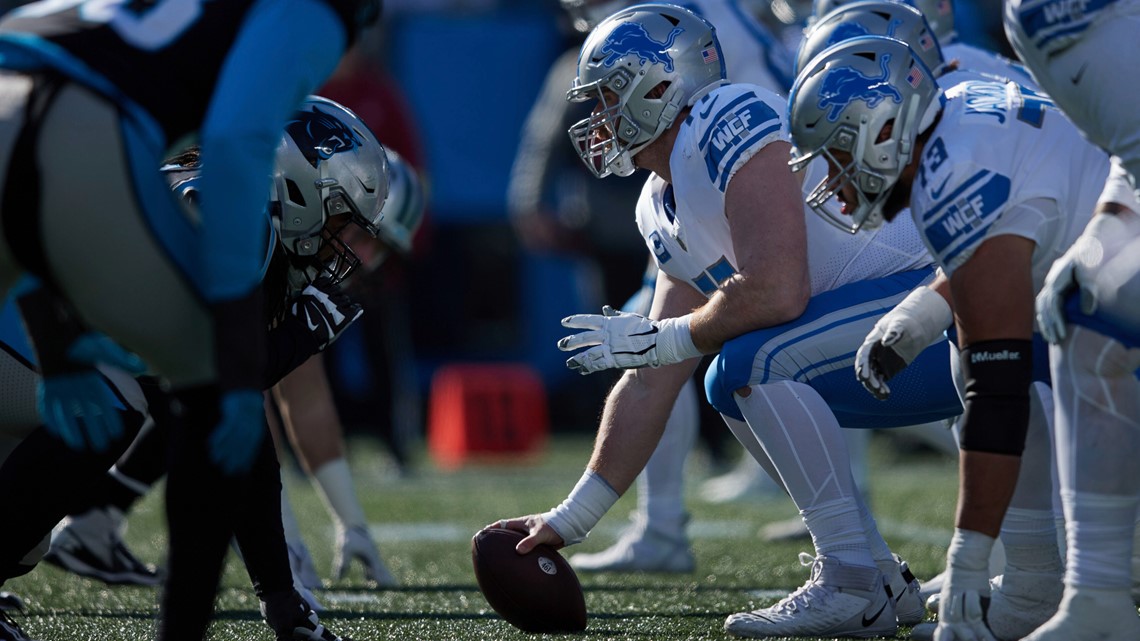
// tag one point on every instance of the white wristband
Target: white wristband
(590, 499)
(675, 340)
(968, 561)
(929, 316)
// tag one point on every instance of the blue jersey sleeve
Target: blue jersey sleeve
(287, 48)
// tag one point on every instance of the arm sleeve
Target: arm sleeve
(285, 50)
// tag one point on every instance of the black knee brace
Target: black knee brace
(997, 374)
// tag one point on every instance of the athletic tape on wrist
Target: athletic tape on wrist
(675, 340)
(968, 561)
(590, 499)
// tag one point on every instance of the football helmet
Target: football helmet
(404, 209)
(939, 13)
(586, 14)
(643, 66)
(329, 172)
(842, 102)
(872, 18)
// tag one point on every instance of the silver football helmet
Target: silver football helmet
(330, 171)
(404, 209)
(842, 104)
(643, 66)
(939, 13)
(872, 18)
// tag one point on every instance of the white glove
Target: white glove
(899, 337)
(1073, 270)
(621, 339)
(961, 616)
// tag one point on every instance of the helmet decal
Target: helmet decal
(844, 85)
(319, 135)
(846, 31)
(631, 37)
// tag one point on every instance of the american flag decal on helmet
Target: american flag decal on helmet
(709, 54)
(914, 78)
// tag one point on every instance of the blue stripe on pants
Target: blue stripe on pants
(818, 349)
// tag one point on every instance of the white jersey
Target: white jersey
(998, 145)
(1051, 26)
(684, 223)
(752, 54)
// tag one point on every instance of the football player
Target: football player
(123, 83)
(305, 399)
(306, 261)
(996, 200)
(663, 104)
(1087, 308)
(656, 539)
(1036, 595)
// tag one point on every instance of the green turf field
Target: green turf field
(423, 525)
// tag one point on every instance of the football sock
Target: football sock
(1100, 531)
(660, 498)
(803, 439)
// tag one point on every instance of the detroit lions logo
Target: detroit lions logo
(319, 136)
(631, 37)
(845, 85)
(846, 31)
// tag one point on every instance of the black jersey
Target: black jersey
(164, 55)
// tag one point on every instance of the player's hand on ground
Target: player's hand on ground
(961, 617)
(326, 310)
(236, 439)
(536, 529)
(621, 339)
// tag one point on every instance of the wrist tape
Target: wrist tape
(590, 499)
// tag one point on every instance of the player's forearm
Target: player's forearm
(743, 305)
(632, 422)
(987, 481)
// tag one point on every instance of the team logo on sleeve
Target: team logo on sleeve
(845, 85)
(319, 136)
(658, 247)
(631, 37)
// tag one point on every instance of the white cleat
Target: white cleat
(748, 480)
(837, 601)
(1085, 616)
(639, 549)
(92, 545)
(793, 529)
(904, 589)
(1020, 602)
(356, 543)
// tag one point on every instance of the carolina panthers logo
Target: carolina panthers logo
(631, 37)
(845, 85)
(319, 135)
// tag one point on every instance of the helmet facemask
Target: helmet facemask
(330, 172)
(642, 67)
(609, 138)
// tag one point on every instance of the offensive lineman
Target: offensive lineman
(743, 267)
(996, 199)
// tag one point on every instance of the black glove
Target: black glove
(325, 310)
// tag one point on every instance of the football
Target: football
(535, 592)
